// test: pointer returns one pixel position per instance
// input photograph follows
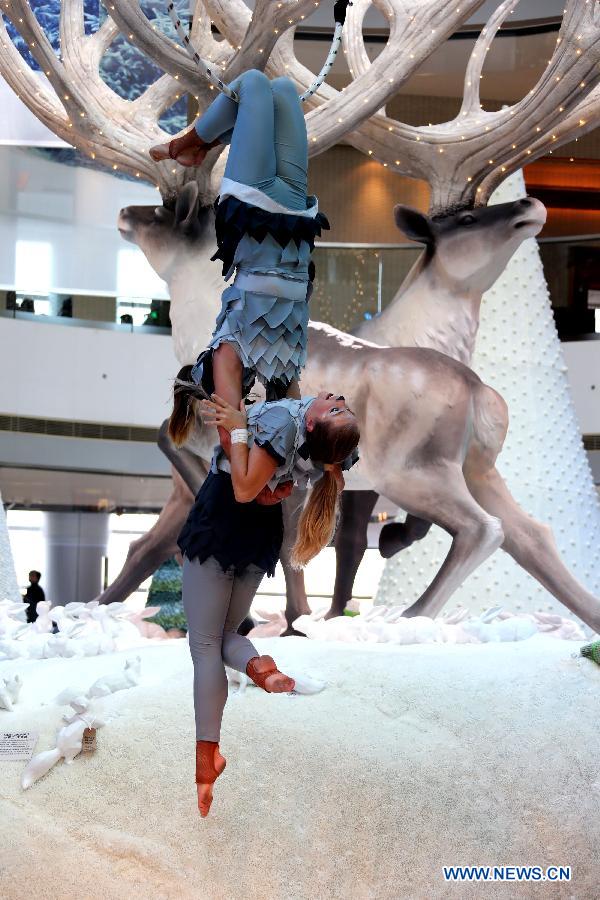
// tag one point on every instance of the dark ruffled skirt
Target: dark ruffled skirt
(236, 534)
(234, 218)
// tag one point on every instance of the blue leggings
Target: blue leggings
(269, 146)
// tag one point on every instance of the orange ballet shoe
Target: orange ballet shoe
(264, 673)
(209, 765)
(187, 150)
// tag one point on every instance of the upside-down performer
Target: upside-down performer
(230, 541)
(266, 225)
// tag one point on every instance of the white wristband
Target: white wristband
(239, 436)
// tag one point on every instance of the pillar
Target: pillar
(76, 542)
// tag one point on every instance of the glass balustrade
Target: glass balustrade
(353, 283)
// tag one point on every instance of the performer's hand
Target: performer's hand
(221, 413)
(267, 497)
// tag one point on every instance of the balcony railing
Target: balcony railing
(353, 282)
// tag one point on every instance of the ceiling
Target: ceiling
(525, 11)
(512, 67)
(50, 488)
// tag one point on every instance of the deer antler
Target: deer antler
(80, 107)
(416, 29)
(250, 50)
(256, 33)
(471, 92)
(41, 101)
(167, 54)
(465, 159)
(414, 33)
(564, 102)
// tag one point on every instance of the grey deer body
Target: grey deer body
(437, 306)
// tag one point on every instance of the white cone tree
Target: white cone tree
(543, 460)
(9, 589)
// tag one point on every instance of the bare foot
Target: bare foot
(205, 791)
(159, 152)
(193, 156)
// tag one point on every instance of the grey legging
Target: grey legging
(269, 146)
(215, 604)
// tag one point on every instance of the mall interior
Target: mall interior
(446, 714)
(88, 359)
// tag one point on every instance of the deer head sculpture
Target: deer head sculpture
(438, 303)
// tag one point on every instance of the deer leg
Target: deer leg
(160, 543)
(440, 495)
(192, 469)
(296, 600)
(350, 545)
(531, 544)
(399, 535)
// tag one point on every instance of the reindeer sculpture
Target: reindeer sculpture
(454, 157)
(438, 309)
(431, 430)
(437, 306)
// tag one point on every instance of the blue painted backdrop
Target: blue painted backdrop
(124, 68)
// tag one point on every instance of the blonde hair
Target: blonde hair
(330, 444)
(182, 418)
(317, 522)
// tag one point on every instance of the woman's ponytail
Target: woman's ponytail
(183, 416)
(330, 444)
(317, 522)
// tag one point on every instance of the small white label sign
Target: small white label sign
(17, 744)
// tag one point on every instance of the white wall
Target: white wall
(85, 374)
(89, 374)
(583, 362)
(58, 229)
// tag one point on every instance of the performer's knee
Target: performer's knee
(254, 80)
(202, 645)
(284, 85)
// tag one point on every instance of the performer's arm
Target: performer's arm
(266, 497)
(251, 470)
(225, 439)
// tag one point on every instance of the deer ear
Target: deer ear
(415, 225)
(186, 207)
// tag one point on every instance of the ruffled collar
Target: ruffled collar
(255, 197)
(303, 451)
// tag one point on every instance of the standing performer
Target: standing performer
(266, 227)
(230, 541)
